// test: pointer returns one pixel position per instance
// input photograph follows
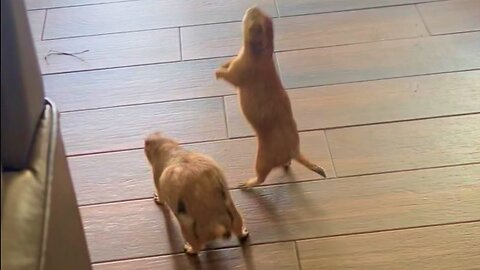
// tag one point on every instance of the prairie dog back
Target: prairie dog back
(193, 186)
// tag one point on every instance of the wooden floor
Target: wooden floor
(386, 95)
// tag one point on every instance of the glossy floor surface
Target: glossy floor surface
(387, 99)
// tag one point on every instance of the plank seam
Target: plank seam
(330, 152)
(297, 254)
(423, 20)
(278, 10)
(44, 23)
(225, 117)
(180, 44)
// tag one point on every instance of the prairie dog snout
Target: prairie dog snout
(257, 30)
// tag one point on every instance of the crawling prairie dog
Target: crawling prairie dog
(263, 99)
(194, 188)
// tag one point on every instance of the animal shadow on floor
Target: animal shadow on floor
(180, 261)
(283, 207)
(295, 189)
(247, 256)
(266, 207)
(208, 259)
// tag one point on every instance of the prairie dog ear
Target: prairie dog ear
(152, 139)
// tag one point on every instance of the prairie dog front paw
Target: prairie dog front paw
(219, 73)
(189, 249)
(157, 200)
(244, 235)
(249, 184)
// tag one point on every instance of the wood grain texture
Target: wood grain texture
(36, 19)
(289, 8)
(348, 27)
(405, 145)
(380, 60)
(360, 103)
(111, 177)
(135, 85)
(237, 157)
(298, 211)
(37, 4)
(211, 40)
(279, 256)
(126, 175)
(311, 31)
(433, 248)
(126, 127)
(451, 16)
(109, 51)
(140, 228)
(147, 14)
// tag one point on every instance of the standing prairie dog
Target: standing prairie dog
(194, 188)
(263, 99)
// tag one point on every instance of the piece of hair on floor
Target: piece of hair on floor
(74, 54)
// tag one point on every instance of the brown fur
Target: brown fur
(263, 99)
(194, 188)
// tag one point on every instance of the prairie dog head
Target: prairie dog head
(257, 31)
(156, 146)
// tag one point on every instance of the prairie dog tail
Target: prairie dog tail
(312, 166)
(221, 231)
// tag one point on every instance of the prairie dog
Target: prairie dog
(194, 188)
(263, 99)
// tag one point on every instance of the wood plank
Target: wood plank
(387, 59)
(126, 127)
(348, 27)
(444, 247)
(298, 211)
(126, 175)
(135, 85)
(289, 8)
(405, 145)
(451, 16)
(140, 228)
(109, 51)
(311, 31)
(38, 4)
(281, 256)
(36, 19)
(360, 103)
(111, 177)
(211, 40)
(148, 14)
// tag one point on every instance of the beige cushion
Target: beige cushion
(26, 204)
